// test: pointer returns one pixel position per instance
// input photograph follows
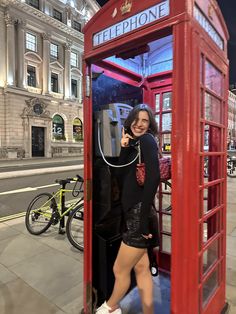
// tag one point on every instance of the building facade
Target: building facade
(41, 104)
(232, 121)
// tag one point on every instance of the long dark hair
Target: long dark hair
(133, 115)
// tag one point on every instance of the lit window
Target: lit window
(34, 3)
(31, 43)
(74, 88)
(77, 26)
(58, 128)
(54, 50)
(31, 76)
(74, 59)
(57, 15)
(54, 82)
(77, 130)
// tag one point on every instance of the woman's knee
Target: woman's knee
(120, 270)
(141, 268)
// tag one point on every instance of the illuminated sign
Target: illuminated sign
(207, 26)
(145, 17)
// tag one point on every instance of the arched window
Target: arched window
(58, 128)
(77, 130)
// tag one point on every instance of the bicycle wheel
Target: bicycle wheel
(162, 200)
(75, 227)
(38, 216)
(231, 169)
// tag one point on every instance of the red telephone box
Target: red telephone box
(173, 56)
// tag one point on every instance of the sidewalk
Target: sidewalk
(231, 245)
(28, 167)
(44, 274)
(38, 274)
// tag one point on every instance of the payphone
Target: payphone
(107, 213)
(109, 121)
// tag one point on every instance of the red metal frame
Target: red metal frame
(190, 42)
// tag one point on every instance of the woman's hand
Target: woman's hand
(124, 142)
(147, 236)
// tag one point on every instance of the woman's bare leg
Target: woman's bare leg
(126, 259)
(145, 284)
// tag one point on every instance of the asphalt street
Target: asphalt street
(21, 180)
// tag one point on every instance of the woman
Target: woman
(137, 201)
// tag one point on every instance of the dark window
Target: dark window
(54, 82)
(31, 76)
(74, 88)
(34, 3)
(77, 26)
(57, 15)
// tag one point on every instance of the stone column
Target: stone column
(11, 65)
(46, 61)
(67, 71)
(20, 54)
(42, 5)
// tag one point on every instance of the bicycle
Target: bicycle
(231, 166)
(48, 209)
(163, 196)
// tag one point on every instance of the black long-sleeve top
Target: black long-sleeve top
(132, 193)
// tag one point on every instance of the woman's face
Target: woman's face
(140, 125)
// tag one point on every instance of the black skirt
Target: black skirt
(131, 235)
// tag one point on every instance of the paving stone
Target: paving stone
(6, 275)
(19, 248)
(51, 273)
(17, 297)
(6, 232)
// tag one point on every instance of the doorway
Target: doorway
(38, 142)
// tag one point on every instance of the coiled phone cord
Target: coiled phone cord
(102, 154)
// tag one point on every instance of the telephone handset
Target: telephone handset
(128, 131)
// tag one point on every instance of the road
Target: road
(16, 193)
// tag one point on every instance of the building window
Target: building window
(31, 76)
(77, 26)
(34, 3)
(74, 59)
(31, 42)
(74, 88)
(54, 82)
(58, 128)
(54, 51)
(77, 130)
(57, 15)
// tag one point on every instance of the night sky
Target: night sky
(228, 8)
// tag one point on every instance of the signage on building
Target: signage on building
(207, 26)
(136, 21)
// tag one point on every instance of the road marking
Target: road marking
(6, 218)
(47, 186)
(28, 189)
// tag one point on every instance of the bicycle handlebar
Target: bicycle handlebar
(78, 178)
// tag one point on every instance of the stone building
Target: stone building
(232, 121)
(41, 104)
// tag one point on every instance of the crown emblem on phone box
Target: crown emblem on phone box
(126, 7)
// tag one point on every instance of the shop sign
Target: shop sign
(134, 22)
(207, 26)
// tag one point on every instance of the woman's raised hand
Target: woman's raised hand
(124, 142)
